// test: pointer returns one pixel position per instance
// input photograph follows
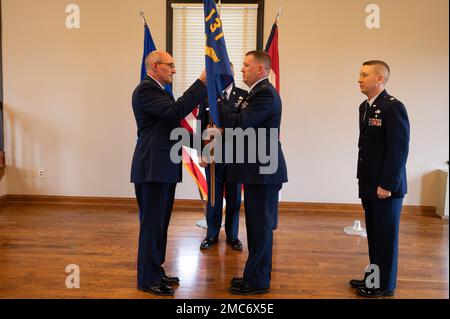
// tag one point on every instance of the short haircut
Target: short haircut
(153, 57)
(262, 57)
(381, 66)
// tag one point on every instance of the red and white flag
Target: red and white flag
(190, 156)
(272, 50)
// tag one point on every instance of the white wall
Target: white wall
(67, 92)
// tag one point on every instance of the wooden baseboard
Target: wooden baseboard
(70, 200)
(118, 202)
(351, 208)
(195, 205)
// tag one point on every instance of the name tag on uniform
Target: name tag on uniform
(375, 122)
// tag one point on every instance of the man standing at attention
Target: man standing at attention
(383, 151)
(232, 96)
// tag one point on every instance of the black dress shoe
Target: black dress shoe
(247, 290)
(207, 243)
(169, 280)
(374, 293)
(237, 281)
(235, 244)
(159, 290)
(355, 283)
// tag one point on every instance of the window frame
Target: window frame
(259, 23)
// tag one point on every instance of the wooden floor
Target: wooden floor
(312, 257)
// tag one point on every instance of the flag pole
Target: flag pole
(279, 12)
(214, 43)
(212, 172)
(212, 165)
(219, 8)
(142, 14)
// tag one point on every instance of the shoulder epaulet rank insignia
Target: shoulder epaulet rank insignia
(390, 98)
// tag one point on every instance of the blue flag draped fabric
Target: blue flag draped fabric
(218, 68)
(149, 47)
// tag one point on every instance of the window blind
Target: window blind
(239, 25)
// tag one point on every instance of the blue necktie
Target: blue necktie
(366, 110)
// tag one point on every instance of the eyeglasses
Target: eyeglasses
(170, 65)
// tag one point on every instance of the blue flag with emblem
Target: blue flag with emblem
(218, 68)
(149, 47)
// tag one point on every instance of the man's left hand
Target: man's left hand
(382, 193)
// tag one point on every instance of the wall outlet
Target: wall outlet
(34, 172)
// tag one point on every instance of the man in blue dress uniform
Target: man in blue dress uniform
(232, 96)
(383, 151)
(260, 112)
(153, 173)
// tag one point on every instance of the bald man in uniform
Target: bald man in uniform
(153, 173)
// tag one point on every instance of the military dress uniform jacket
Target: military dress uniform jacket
(261, 109)
(383, 147)
(157, 114)
(237, 95)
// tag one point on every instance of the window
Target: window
(242, 25)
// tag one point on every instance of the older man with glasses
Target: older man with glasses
(153, 173)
